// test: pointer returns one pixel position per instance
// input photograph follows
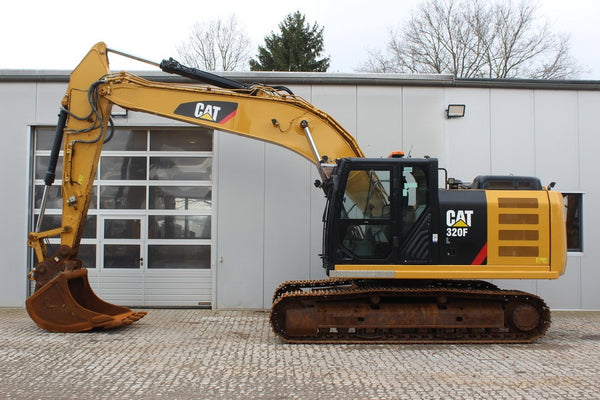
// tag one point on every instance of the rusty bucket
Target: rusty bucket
(67, 303)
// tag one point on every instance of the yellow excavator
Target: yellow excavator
(406, 260)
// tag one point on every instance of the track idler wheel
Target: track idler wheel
(64, 301)
(523, 316)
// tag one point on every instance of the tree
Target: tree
(476, 39)
(296, 48)
(216, 45)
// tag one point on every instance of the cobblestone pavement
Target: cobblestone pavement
(203, 354)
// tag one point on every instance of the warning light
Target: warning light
(396, 154)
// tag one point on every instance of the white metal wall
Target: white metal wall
(17, 108)
(540, 133)
(505, 131)
(268, 214)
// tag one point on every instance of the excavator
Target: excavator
(408, 258)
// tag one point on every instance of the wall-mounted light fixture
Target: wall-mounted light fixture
(455, 111)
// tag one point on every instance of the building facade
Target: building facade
(185, 216)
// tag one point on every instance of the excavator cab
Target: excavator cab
(381, 211)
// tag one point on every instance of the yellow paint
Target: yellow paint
(460, 224)
(504, 258)
(449, 271)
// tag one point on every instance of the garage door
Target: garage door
(148, 238)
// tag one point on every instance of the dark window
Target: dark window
(181, 140)
(122, 256)
(53, 221)
(180, 198)
(44, 138)
(54, 199)
(41, 166)
(176, 256)
(179, 227)
(127, 140)
(122, 228)
(181, 168)
(573, 211)
(123, 197)
(87, 255)
(123, 168)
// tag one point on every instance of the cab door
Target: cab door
(382, 212)
(363, 222)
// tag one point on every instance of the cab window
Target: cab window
(365, 228)
(414, 196)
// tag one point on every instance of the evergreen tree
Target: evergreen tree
(296, 48)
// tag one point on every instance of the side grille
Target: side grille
(518, 228)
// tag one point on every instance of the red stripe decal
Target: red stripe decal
(481, 256)
(227, 118)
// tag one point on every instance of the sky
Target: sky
(48, 35)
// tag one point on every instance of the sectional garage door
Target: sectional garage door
(148, 239)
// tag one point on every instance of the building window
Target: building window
(573, 211)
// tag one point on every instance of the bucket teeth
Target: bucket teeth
(137, 316)
(123, 320)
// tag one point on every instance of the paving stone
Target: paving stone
(206, 354)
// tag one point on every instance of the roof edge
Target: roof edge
(325, 78)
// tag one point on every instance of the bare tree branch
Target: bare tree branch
(216, 45)
(476, 39)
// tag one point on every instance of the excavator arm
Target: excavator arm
(260, 112)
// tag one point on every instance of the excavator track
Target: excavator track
(441, 311)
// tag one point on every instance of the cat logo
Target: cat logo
(219, 112)
(208, 112)
(458, 222)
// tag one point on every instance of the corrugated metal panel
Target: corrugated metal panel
(512, 135)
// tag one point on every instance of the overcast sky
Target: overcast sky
(41, 34)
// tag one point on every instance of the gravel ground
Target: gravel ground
(204, 354)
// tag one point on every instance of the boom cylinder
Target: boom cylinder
(175, 67)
